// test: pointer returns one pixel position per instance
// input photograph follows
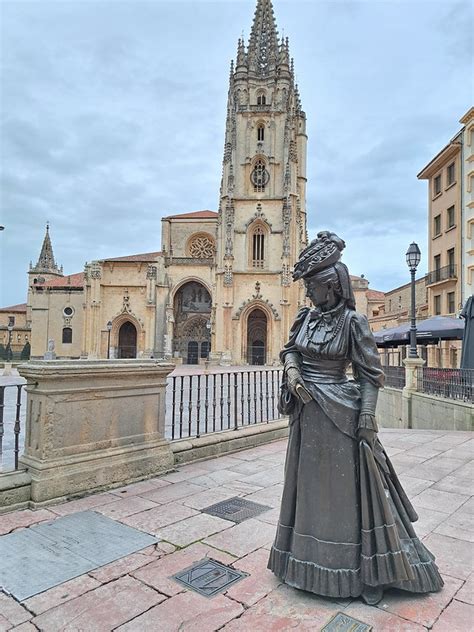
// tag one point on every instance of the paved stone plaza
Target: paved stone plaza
(138, 592)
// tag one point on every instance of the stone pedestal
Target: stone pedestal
(92, 424)
(226, 358)
(411, 386)
(7, 369)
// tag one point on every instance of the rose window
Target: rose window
(201, 247)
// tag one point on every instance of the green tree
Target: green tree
(26, 351)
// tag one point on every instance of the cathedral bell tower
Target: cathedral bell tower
(262, 210)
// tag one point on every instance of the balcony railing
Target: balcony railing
(448, 383)
(394, 376)
(188, 261)
(12, 414)
(441, 274)
(211, 402)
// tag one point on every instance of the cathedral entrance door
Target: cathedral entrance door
(258, 352)
(257, 337)
(193, 352)
(127, 341)
(192, 313)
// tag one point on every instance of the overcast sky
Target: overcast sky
(113, 116)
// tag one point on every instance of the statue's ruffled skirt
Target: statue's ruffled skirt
(345, 521)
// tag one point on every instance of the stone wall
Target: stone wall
(396, 409)
(437, 413)
(389, 408)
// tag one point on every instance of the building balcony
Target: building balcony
(188, 261)
(447, 273)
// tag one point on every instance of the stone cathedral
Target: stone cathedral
(220, 288)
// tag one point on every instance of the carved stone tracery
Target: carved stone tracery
(201, 247)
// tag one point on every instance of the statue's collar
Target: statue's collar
(317, 313)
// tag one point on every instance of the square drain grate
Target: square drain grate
(344, 623)
(209, 577)
(236, 509)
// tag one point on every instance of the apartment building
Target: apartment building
(443, 281)
(467, 206)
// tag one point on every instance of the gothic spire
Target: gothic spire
(46, 262)
(263, 48)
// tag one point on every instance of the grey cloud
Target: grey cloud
(114, 116)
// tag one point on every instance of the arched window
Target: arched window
(67, 335)
(261, 132)
(258, 247)
(261, 99)
(259, 176)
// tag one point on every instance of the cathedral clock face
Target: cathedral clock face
(259, 176)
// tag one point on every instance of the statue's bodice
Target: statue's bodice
(323, 345)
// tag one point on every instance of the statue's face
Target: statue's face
(317, 291)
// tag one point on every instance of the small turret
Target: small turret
(241, 56)
(46, 264)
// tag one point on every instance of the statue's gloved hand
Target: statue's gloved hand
(294, 377)
(366, 431)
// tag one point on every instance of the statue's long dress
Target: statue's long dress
(345, 521)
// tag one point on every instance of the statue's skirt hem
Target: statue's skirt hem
(345, 583)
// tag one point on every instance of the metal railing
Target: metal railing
(11, 416)
(210, 402)
(449, 383)
(394, 376)
(189, 261)
(441, 274)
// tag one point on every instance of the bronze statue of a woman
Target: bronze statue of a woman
(345, 522)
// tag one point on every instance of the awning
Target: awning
(428, 331)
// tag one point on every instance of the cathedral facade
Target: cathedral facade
(220, 288)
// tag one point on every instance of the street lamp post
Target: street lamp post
(9, 353)
(413, 257)
(109, 329)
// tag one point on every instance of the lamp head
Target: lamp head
(109, 326)
(413, 256)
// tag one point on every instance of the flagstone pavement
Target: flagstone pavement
(136, 594)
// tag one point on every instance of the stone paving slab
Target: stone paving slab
(101, 610)
(422, 609)
(187, 612)
(18, 519)
(152, 520)
(243, 538)
(60, 594)
(32, 564)
(454, 557)
(137, 592)
(193, 529)
(458, 617)
(36, 559)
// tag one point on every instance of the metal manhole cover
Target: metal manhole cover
(209, 577)
(236, 509)
(344, 623)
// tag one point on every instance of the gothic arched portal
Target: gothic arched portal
(257, 337)
(192, 313)
(127, 341)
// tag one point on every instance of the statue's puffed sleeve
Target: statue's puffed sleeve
(367, 369)
(289, 356)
